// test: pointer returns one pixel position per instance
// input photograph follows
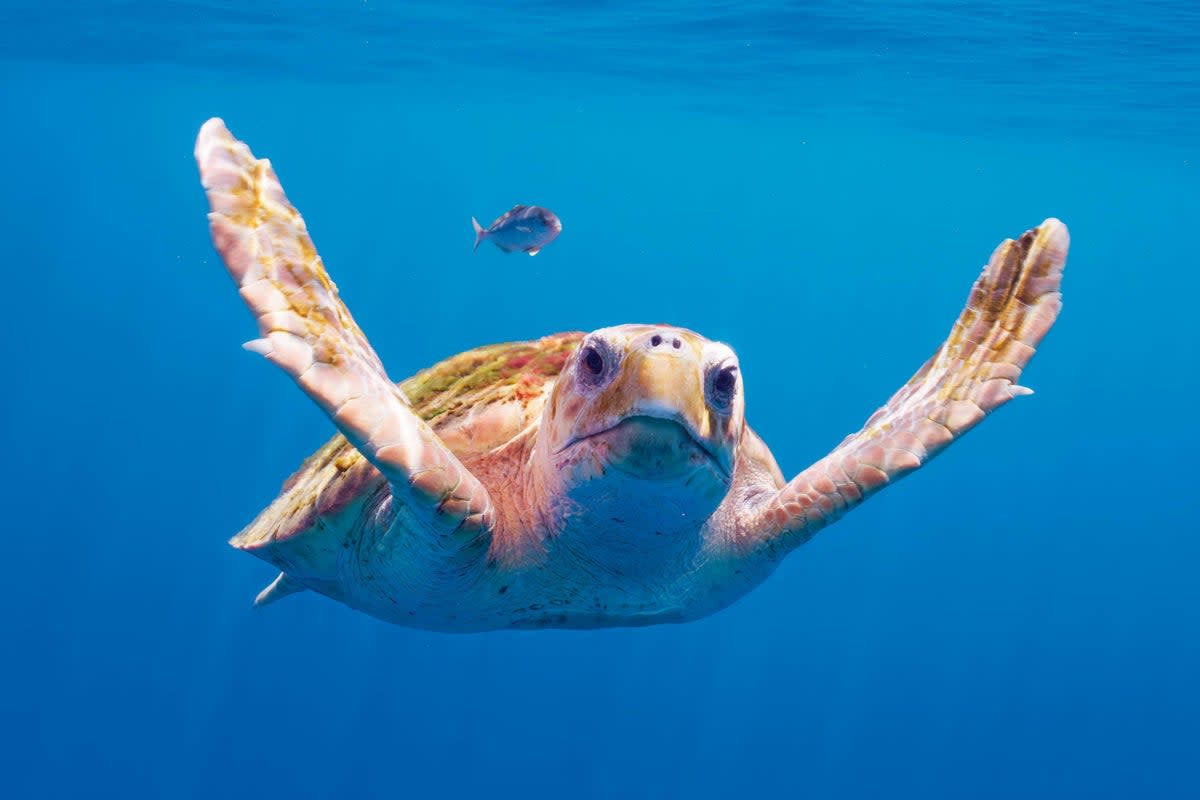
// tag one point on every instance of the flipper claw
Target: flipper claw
(261, 346)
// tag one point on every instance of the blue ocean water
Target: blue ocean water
(816, 184)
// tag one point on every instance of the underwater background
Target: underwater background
(816, 184)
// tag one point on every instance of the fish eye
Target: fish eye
(722, 386)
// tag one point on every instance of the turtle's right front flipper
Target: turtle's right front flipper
(308, 332)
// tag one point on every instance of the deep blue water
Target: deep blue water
(816, 185)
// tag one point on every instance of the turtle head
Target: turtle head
(649, 403)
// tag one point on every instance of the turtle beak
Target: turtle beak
(662, 385)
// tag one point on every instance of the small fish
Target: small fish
(524, 228)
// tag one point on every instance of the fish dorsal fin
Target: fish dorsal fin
(280, 588)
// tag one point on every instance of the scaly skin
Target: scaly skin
(579, 481)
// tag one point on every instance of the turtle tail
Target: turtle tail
(480, 233)
(281, 587)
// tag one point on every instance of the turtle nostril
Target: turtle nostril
(676, 344)
(655, 340)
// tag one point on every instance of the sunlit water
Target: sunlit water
(816, 186)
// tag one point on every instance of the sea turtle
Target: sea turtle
(575, 481)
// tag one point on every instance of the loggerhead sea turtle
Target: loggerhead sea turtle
(575, 481)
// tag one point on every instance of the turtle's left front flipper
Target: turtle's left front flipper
(1011, 307)
(308, 332)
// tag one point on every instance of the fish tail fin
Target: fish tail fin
(480, 233)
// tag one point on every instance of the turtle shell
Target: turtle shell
(476, 401)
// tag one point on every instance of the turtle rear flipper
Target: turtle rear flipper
(306, 330)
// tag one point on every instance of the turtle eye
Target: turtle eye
(596, 362)
(593, 362)
(722, 387)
